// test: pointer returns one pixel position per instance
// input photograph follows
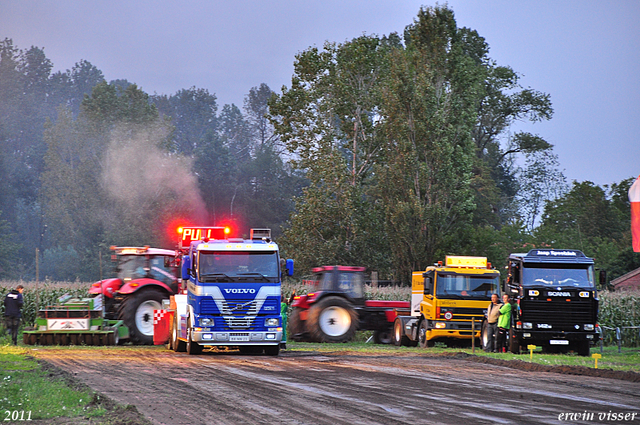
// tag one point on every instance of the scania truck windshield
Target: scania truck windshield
(558, 275)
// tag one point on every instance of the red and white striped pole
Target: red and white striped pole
(634, 198)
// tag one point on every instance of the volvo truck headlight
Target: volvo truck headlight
(206, 322)
(527, 325)
(589, 327)
(272, 322)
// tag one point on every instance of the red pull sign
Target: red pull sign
(191, 234)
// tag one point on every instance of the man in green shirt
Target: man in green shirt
(504, 323)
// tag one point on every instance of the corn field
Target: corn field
(617, 309)
(620, 309)
(38, 295)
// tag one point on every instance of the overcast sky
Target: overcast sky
(584, 53)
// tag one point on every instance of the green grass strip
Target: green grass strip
(26, 388)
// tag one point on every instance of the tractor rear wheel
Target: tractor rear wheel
(137, 313)
(332, 319)
(295, 327)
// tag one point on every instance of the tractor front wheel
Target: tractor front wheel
(332, 319)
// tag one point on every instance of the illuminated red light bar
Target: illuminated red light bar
(192, 234)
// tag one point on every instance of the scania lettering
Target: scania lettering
(233, 293)
(445, 300)
(557, 301)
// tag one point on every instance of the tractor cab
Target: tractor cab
(344, 280)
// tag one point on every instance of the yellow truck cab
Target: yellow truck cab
(445, 298)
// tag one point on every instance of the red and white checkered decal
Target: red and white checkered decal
(158, 315)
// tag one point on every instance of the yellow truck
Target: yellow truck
(445, 298)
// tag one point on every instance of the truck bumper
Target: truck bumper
(212, 337)
(555, 338)
(453, 329)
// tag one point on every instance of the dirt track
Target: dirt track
(337, 388)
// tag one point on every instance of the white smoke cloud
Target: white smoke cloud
(140, 175)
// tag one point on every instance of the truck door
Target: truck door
(429, 287)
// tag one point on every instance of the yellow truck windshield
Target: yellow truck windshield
(457, 286)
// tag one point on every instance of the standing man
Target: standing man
(493, 313)
(284, 311)
(12, 306)
(504, 323)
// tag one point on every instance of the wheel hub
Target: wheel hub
(144, 316)
(335, 321)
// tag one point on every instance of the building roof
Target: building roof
(625, 277)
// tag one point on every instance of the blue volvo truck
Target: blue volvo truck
(233, 292)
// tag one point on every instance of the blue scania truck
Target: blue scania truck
(233, 292)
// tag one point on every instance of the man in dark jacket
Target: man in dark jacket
(12, 306)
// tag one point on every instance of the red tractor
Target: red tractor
(336, 307)
(145, 277)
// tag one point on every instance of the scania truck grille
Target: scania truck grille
(559, 313)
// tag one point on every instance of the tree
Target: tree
(110, 178)
(193, 114)
(429, 106)
(328, 120)
(9, 251)
(503, 102)
(540, 182)
(256, 106)
(588, 219)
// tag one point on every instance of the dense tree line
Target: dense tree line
(88, 164)
(388, 152)
(407, 145)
